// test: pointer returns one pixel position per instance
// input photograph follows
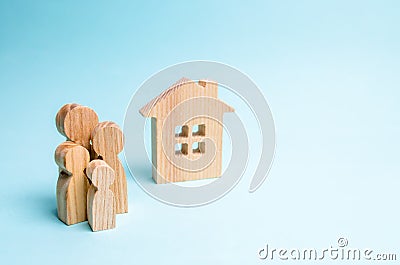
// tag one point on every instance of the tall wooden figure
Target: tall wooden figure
(72, 184)
(108, 142)
(100, 199)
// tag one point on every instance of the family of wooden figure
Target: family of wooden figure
(92, 183)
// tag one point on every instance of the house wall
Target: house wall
(154, 147)
(174, 167)
(198, 164)
(187, 104)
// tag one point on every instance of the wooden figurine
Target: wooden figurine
(77, 122)
(107, 141)
(100, 199)
(72, 184)
(194, 138)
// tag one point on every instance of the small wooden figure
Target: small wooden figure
(77, 122)
(108, 142)
(100, 199)
(72, 184)
(187, 141)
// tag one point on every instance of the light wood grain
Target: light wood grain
(101, 206)
(185, 164)
(76, 122)
(72, 184)
(108, 142)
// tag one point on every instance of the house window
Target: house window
(185, 144)
(181, 131)
(198, 147)
(199, 130)
(181, 149)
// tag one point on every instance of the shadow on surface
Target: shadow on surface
(41, 208)
(143, 174)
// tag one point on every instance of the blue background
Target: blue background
(329, 70)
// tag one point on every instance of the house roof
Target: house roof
(147, 109)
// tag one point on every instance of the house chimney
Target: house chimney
(202, 83)
(211, 87)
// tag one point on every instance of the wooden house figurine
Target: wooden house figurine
(186, 131)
